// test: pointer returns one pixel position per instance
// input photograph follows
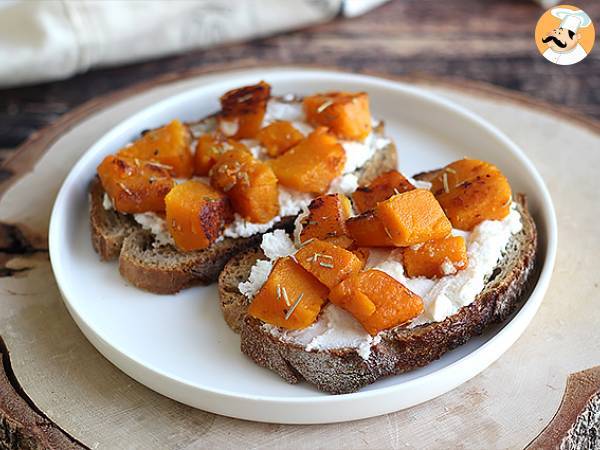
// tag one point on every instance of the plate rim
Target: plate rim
(526, 312)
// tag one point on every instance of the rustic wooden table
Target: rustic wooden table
(482, 41)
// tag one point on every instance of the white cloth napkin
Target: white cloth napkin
(53, 39)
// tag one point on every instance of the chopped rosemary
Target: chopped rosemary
(162, 166)
(285, 296)
(387, 232)
(293, 308)
(445, 181)
(125, 188)
(326, 104)
(308, 241)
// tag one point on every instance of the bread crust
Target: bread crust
(401, 349)
(116, 235)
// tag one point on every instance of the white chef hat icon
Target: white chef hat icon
(570, 19)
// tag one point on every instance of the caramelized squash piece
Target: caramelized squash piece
(361, 253)
(208, 149)
(329, 263)
(168, 145)
(290, 298)
(380, 189)
(196, 215)
(133, 185)
(413, 217)
(471, 191)
(366, 230)
(377, 300)
(278, 137)
(311, 165)
(326, 219)
(436, 258)
(346, 114)
(250, 184)
(243, 110)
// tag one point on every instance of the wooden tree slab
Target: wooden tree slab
(58, 391)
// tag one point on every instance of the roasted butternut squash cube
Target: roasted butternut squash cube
(278, 137)
(311, 165)
(376, 300)
(133, 185)
(413, 217)
(380, 189)
(361, 253)
(436, 258)
(243, 110)
(196, 214)
(346, 114)
(329, 263)
(366, 230)
(290, 298)
(168, 145)
(208, 149)
(471, 191)
(327, 215)
(250, 184)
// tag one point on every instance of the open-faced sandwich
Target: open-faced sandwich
(385, 280)
(177, 203)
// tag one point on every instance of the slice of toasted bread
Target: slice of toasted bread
(164, 269)
(401, 349)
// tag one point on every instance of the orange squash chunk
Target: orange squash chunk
(250, 184)
(311, 165)
(208, 149)
(366, 230)
(376, 300)
(380, 189)
(135, 186)
(346, 114)
(413, 217)
(326, 219)
(278, 137)
(196, 214)
(290, 298)
(436, 258)
(329, 263)
(168, 145)
(471, 191)
(243, 110)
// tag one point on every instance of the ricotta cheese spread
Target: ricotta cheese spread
(290, 203)
(157, 226)
(276, 244)
(336, 328)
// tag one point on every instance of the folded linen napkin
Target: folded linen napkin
(54, 39)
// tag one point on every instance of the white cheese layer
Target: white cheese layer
(276, 244)
(157, 226)
(336, 328)
(290, 203)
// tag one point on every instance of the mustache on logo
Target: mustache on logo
(555, 40)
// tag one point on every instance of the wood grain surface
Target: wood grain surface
(103, 407)
(482, 40)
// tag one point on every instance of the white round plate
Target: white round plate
(180, 346)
